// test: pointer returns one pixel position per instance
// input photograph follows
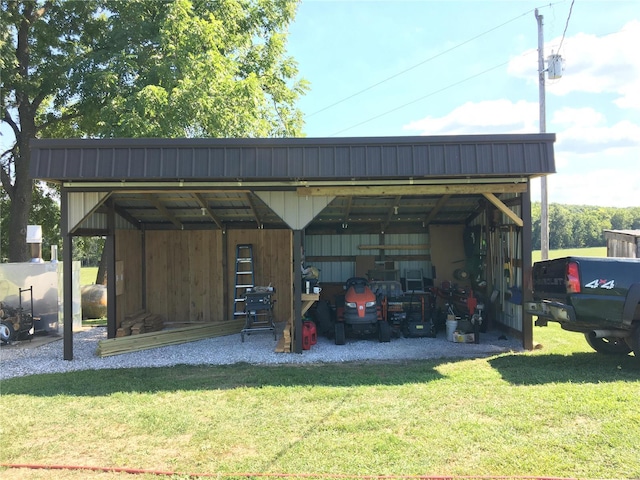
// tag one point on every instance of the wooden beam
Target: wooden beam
(393, 190)
(253, 210)
(144, 341)
(434, 211)
(212, 215)
(156, 203)
(422, 246)
(504, 209)
(392, 211)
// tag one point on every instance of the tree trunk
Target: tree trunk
(22, 192)
(101, 276)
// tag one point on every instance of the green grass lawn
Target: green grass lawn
(88, 275)
(560, 411)
(582, 252)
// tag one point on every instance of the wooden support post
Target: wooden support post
(67, 276)
(297, 291)
(525, 238)
(110, 246)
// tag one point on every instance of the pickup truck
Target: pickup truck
(599, 297)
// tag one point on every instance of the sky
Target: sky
(449, 67)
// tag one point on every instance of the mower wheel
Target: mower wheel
(340, 334)
(384, 331)
(7, 332)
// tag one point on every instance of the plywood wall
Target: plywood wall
(273, 264)
(129, 255)
(190, 275)
(184, 275)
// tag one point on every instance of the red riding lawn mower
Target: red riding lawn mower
(359, 312)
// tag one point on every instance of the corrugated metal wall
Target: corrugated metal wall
(345, 245)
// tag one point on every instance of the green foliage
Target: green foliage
(580, 226)
(143, 68)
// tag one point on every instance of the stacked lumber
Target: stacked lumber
(284, 344)
(144, 341)
(140, 322)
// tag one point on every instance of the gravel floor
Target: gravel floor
(258, 348)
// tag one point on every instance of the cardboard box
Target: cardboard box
(463, 337)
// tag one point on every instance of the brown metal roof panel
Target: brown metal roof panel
(292, 158)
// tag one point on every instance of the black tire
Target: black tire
(7, 332)
(635, 340)
(608, 345)
(384, 332)
(340, 334)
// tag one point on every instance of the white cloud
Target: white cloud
(491, 116)
(606, 64)
(584, 130)
(602, 187)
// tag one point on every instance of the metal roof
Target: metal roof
(211, 183)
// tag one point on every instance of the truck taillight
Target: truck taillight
(573, 278)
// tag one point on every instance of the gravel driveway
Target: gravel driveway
(258, 348)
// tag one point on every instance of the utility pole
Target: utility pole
(544, 196)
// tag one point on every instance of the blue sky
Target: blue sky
(387, 68)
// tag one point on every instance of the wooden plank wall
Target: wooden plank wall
(184, 275)
(129, 252)
(185, 278)
(273, 264)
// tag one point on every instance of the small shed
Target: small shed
(623, 243)
(174, 212)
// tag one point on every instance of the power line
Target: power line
(370, 87)
(421, 98)
(565, 26)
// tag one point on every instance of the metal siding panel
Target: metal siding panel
(311, 162)
(421, 159)
(389, 161)
(436, 158)
(516, 158)
(184, 166)
(201, 163)
(152, 162)
(229, 165)
(405, 165)
(500, 158)
(247, 162)
(264, 158)
(88, 165)
(326, 162)
(468, 156)
(169, 166)
(358, 160)
(321, 158)
(484, 164)
(280, 163)
(342, 162)
(373, 158)
(452, 159)
(294, 161)
(105, 162)
(121, 162)
(137, 160)
(73, 162)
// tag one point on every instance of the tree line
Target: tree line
(580, 226)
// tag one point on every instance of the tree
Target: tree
(140, 68)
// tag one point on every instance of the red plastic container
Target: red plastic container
(309, 335)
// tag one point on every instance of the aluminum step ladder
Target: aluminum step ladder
(245, 278)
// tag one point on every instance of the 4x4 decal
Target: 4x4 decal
(601, 283)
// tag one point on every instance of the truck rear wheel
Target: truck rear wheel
(608, 345)
(635, 340)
